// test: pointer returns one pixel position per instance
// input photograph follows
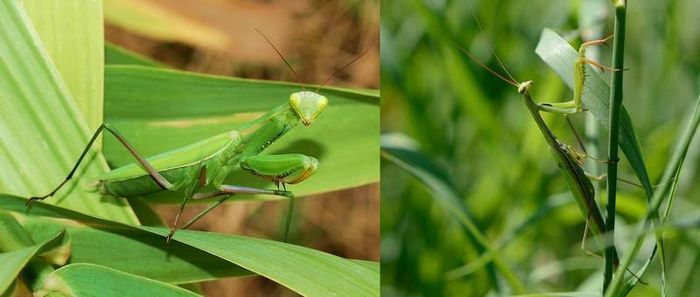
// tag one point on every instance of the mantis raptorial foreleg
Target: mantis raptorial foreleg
(280, 169)
(575, 105)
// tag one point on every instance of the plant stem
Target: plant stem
(615, 106)
(669, 182)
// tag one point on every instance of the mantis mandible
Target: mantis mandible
(201, 168)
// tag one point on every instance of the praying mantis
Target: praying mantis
(200, 169)
(568, 160)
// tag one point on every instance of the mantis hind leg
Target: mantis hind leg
(160, 179)
(616, 261)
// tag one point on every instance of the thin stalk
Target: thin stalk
(668, 183)
(615, 107)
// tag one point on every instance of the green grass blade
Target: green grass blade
(116, 55)
(43, 132)
(140, 253)
(94, 280)
(669, 185)
(321, 275)
(71, 31)
(158, 110)
(559, 55)
(306, 271)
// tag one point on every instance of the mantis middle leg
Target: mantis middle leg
(229, 190)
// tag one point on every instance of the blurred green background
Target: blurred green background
(477, 131)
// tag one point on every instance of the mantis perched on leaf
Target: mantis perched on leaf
(568, 160)
(200, 169)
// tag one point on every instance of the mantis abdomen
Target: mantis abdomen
(178, 166)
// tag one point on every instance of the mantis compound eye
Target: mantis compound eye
(308, 105)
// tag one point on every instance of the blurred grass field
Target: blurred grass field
(478, 132)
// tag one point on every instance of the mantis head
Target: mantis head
(524, 87)
(307, 105)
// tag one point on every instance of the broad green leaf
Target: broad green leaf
(559, 55)
(43, 132)
(306, 271)
(322, 274)
(369, 264)
(147, 216)
(140, 253)
(115, 55)
(71, 31)
(95, 280)
(14, 261)
(158, 110)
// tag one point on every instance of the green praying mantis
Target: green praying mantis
(200, 169)
(568, 160)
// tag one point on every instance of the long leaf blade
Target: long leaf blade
(141, 253)
(71, 31)
(306, 271)
(43, 132)
(94, 280)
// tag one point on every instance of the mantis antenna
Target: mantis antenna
(345, 66)
(481, 29)
(297, 75)
(511, 81)
(281, 56)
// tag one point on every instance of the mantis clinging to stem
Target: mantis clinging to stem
(200, 169)
(568, 160)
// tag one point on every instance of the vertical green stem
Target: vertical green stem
(615, 106)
